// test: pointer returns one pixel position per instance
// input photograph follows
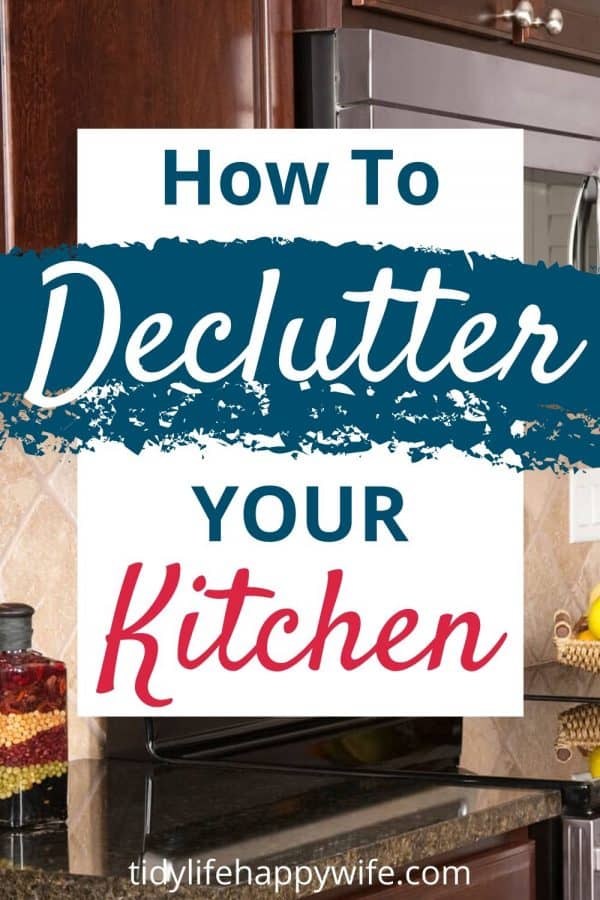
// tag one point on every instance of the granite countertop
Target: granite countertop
(262, 818)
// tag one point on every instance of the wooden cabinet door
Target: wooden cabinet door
(506, 872)
(498, 874)
(70, 64)
(580, 36)
(581, 28)
(478, 16)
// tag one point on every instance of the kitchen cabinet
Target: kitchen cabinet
(498, 873)
(479, 16)
(578, 36)
(70, 64)
(377, 79)
(581, 30)
(506, 871)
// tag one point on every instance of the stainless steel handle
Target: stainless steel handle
(554, 24)
(580, 858)
(585, 215)
(524, 16)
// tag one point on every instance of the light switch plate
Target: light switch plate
(584, 506)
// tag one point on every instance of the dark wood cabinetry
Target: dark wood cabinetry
(581, 31)
(479, 16)
(580, 35)
(579, 38)
(70, 64)
(504, 871)
(495, 874)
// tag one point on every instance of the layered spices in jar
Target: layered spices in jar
(33, 727)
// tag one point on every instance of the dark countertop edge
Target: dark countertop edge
(396, 850)
(453, 835)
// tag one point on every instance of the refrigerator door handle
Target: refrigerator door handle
(580, 876)
(587, 199)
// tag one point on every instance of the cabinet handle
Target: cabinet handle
(554, 24)
(583, 218)
(524, 16)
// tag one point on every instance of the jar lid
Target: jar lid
(16, 610)
(15, 626)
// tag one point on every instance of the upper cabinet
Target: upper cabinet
(571, 27)
(70, 64)
(480, 16)
(580, 35)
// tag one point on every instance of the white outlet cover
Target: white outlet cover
(584, 506)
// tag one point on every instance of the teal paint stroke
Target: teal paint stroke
(189, 280)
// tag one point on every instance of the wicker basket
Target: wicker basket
(578, 727)
(569, 650)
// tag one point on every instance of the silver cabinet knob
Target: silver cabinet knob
(554, 24)
(524, 16)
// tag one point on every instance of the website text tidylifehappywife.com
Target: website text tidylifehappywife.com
(298, 879)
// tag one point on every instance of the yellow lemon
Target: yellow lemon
(594, 594)
(585, 635)
(594, 618)
(594, 763)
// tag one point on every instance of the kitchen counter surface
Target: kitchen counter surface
(261, 818)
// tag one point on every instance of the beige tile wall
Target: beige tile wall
(525, 746)
(557, 574)
(38, 563)
(87, 818)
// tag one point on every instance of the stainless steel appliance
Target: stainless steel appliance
(359, 78)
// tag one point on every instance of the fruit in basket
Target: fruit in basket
(594, 762)
(594, 595)
(585, 635)
(594, 618)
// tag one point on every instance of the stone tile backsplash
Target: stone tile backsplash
(38, 497)
(557, 574)
(38, 564)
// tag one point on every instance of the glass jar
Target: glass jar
(33, 727)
